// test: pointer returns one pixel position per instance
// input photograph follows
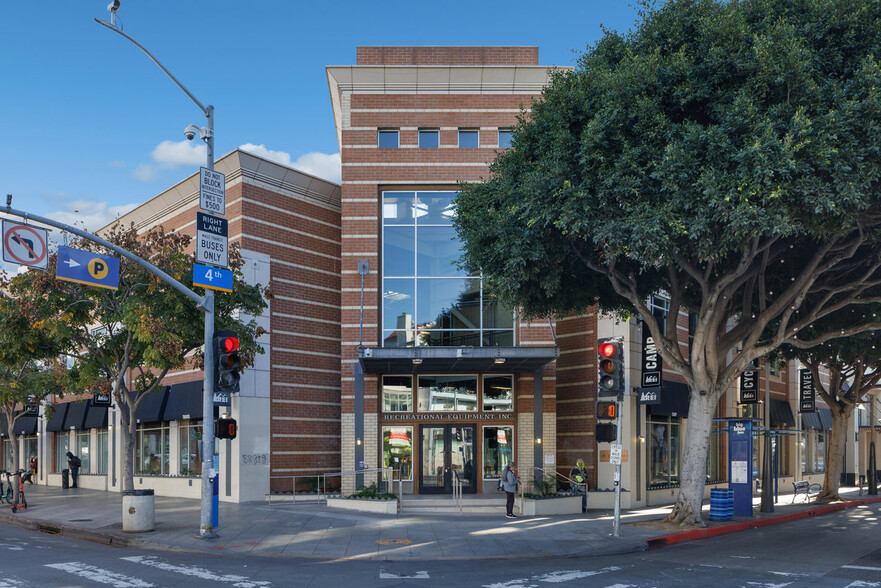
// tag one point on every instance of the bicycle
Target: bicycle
(8, 494)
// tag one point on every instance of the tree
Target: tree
(128, 339)
(725, 153)
(30, 342)
(853, 365)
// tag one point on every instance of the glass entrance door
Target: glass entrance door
(447, 451)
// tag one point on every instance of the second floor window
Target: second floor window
(428, 138)
(387, 139)
(469, 138)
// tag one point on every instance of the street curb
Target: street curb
(691, 535)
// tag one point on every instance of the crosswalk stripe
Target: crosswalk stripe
(99, 575)
(237, 581)
(870, 568)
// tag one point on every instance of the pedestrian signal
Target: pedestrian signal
(225, 428)
(606, 433)
(607, 410)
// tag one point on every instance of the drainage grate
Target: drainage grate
(79, 521)
(49, 529)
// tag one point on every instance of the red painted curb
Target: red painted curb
(693, 534)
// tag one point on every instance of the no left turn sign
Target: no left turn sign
(25, 245)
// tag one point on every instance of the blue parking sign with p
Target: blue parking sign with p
(86, 267)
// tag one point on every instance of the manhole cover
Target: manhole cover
(80, 521)
(394, 541)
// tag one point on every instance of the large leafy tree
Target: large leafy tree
(129, 338)
(726, 153)
(31, 340)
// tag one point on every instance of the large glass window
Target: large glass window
(102, 452)
(427, 300)
(813, 451)
(7, 454)
(498, 450)
(447, 393)
(397, 451)
(83, 446)
(397, 394)
(498, 393)
(29, 444)
(664, 457)
(189, 436)
(62, 446)
(151, 449)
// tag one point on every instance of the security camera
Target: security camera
(113, 6)
(190, 132)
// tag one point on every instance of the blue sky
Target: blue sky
(90, 127)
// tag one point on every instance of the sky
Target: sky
(90, 127)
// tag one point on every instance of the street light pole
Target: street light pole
(206, 528)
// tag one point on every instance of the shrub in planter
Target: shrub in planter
(372, 492)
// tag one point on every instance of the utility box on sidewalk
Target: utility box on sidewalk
(65, 479)
(138, 511)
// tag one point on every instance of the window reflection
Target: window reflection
(397, 451)
(498, 393)
(447, 393)
(397, 394)
(498, 450)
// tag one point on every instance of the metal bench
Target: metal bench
(806, 488)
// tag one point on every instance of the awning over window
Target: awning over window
(674, 400)
(425, 360)
(184, 401)
(56, 422)
(76, 415)
(820, 420)
(96, 417)
(781, 414)
(151, 406)
(26, 425)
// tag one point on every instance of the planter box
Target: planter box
(557, 505)
(389, 507)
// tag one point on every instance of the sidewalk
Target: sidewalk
(313, 531)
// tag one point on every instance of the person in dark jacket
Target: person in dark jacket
(578, 476)
(509, 485)
(74, 463)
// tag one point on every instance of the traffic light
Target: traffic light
(606, 433)
(607, 410)
(610, 366)
(225, 428)
(226, 362)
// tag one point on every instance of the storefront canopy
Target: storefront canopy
(781, 414)
(76, 415)
(26, 425)
(820, 420)
(401, 360)
(674, 400)
(56, 422)
(152, 406)
(184, 401)
(96, 417)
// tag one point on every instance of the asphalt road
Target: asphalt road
(838, 550)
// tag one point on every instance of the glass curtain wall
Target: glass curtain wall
(426, 298)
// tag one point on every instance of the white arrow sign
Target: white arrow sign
(72, 262)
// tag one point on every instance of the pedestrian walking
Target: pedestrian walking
(509, 485)
(578, 475)
(33, 468)
(74, 463)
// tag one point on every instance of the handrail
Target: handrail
(457, 490)
(561, 476)
(322, 492)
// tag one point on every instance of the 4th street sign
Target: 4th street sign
(212, 240)
(212, 277)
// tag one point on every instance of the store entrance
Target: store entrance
(447, 451)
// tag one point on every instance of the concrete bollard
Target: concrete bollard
(138, 511)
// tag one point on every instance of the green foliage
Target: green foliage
(543, 488)
(373, 492)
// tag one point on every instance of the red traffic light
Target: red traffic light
(229, 344)
(607, 350)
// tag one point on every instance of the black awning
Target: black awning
(675, 399)
(56, 423)
(820, 420)
(406, 360)
(96, 417)
(151, 406)
(76, 415)
(26, 424)
(781, 414)
(184, 401)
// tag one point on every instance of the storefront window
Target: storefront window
(397, 451)
(29, 444)
(664, 457)
(813, 452)
(447, 393)
(190, 434)
(101, 452)
(7, 454)
(62, 446)
(151, 449)
(397, 394)
(498, 450)
(498, 393)
(82, 444)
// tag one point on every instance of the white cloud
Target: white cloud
(118, 164)
(171, 154)
(323, 165)
(88, 214)
(145, 172)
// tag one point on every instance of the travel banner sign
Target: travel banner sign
(806, 393)
(749, 386)
(651, 360)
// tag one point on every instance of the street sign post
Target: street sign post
(212, 191)
(85, 267)
(212, 240)
(212, 277)
(25, 245)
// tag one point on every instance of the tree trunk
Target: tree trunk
(693, 475)
(837, 440)
(16, 478)
(128, 422)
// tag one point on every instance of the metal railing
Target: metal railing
(554, 475)
(457, 491)
(319, 485)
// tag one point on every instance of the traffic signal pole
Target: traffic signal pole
(616, 522)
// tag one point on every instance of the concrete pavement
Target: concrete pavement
(313, 531)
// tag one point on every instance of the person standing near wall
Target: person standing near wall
(74, 463)
(578, 475)
(509, 485)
